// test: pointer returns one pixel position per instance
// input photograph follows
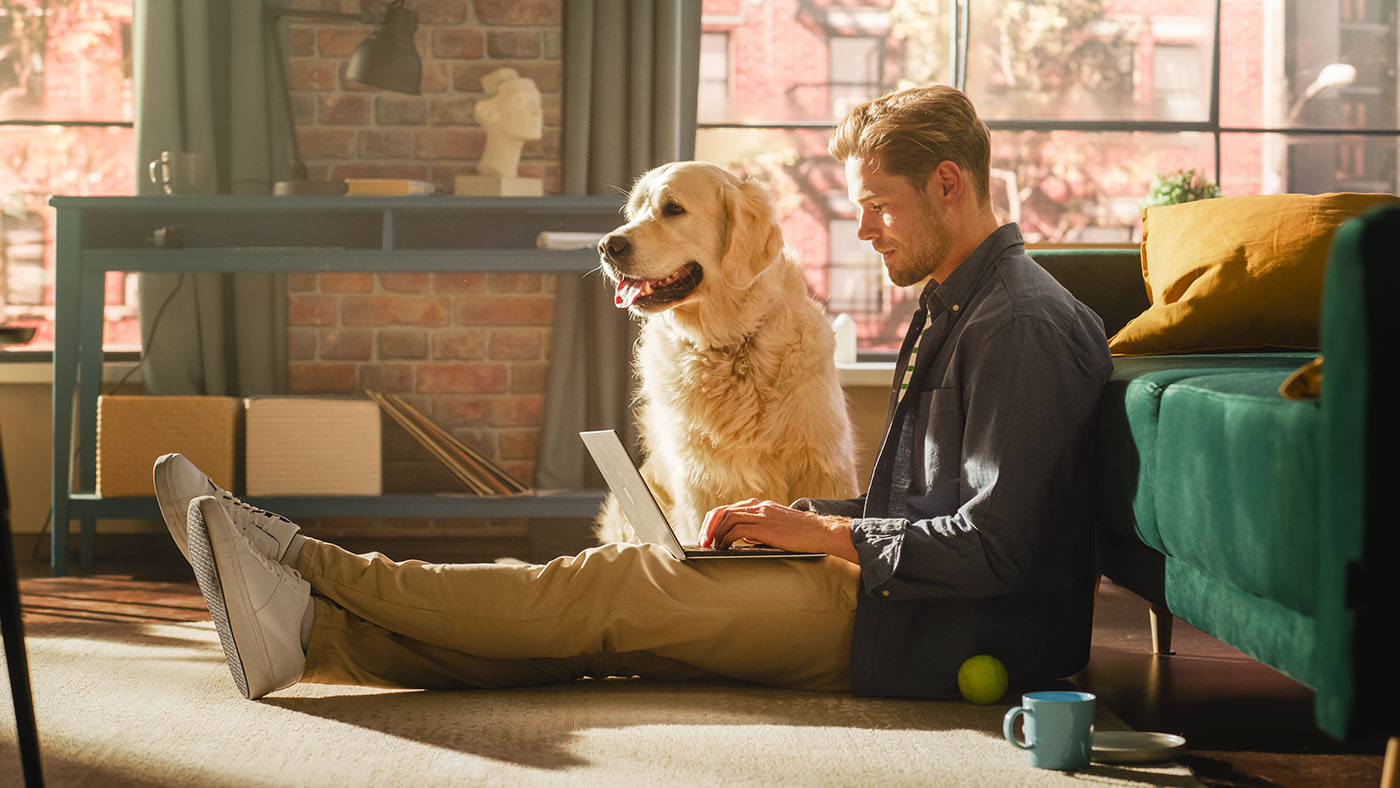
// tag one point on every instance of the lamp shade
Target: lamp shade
(387, 58)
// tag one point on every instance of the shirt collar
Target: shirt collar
(960, 285)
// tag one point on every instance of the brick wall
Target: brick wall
(470, 350)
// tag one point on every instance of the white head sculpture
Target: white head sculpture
(511, 114)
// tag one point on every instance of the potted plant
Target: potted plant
(1170, 188)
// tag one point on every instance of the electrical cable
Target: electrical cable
(147, 343)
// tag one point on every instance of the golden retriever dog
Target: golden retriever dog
(739, 394)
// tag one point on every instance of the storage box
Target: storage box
(133, 431)
(312, 446)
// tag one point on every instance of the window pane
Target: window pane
(785, 57)
(1324, 64)
(65, 61)
(855, 72)
(714, 77)
(1091, 59)
(1086, 187)
(1308, 164)
(35, 163)
(1282, 63)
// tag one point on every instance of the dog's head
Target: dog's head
(694, 233)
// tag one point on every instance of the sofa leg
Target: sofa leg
(1390, 772)
(1161, 620)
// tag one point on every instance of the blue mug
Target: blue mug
(1059, 728)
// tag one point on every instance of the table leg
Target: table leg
(67, 307)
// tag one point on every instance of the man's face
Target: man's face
(908, 228)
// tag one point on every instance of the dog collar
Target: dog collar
(741, 355)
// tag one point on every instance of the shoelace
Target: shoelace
(263, 515)
(246, 515)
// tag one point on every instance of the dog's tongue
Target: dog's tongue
(628, 291)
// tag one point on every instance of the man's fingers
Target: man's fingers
(714, 520)
(707, 530)
(720, 522)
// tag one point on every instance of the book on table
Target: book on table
(386, 187)
(481, 475)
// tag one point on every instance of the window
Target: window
(65, 128)
(1086, 99)
(1178, 73)
(856, 282)
(714, 76)
(854, 63)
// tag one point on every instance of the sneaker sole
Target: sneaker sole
(204, 559)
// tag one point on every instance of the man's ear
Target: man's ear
(947, 181)
(753, 239)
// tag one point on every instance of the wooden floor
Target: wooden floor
(1246, 725)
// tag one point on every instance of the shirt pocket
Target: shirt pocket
(940, 424)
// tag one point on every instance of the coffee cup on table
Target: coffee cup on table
(1058, 728)
(179, 172)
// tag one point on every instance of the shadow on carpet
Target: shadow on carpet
(126, 704)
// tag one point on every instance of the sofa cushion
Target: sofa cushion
(1236, 273)
(1128, 431)
(1237, 483)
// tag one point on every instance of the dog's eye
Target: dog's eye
(672, 209)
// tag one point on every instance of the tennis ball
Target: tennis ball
(982, 679)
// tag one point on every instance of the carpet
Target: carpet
(152, 704)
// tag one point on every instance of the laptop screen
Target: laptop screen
(631, 490)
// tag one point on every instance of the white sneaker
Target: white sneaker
(178, 482)
(270, 533)
(257, 603)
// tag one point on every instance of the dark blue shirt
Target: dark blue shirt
(975, 535)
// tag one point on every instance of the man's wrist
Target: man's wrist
(841, 543)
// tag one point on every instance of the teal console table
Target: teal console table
(255, 233)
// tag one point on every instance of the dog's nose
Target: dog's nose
(614, 247)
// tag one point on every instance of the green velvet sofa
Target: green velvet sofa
(1259, 519)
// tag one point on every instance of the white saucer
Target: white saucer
(1136, 746)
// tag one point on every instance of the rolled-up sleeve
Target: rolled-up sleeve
(1025, 400)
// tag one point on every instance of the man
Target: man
(974, 536)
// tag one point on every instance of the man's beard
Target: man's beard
(926, 251)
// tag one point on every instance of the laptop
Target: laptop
(645, 514)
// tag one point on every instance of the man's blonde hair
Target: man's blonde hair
(909, 132)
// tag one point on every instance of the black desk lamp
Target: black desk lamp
(386, 59)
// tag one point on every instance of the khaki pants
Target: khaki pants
(617, 610)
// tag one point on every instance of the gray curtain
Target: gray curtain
(631, 77)
(205, 83)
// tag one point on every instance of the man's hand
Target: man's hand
(771, 523)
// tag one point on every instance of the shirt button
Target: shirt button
(955, 307)
(885, 592)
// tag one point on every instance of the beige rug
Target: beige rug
(141, 704)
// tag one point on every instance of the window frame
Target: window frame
(22, 356)
(1212, 125)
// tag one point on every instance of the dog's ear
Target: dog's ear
(753, 239)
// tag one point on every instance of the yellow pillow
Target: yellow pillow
(1236, 273)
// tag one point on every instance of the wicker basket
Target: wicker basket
(132, 432)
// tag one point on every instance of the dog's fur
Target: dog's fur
(739, 392)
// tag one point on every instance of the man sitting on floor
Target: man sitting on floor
(974, 537)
